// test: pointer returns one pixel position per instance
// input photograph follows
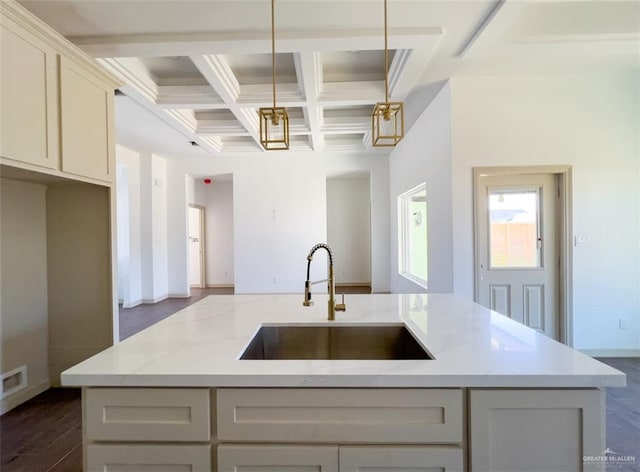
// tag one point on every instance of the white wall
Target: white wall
(217, 198)
(122, 232)
(159, 226)
(129, 226)
(424, 155)
(349, 228)
(153, 227)
(23, 287)
(591, 123)
(278, 217)
(294, 185)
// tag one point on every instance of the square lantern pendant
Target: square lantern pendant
(387, 124)
(274, 128)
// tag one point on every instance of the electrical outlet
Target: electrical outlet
(275, 280)
(622, 324)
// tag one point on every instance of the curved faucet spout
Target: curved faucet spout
(313, 251)
(320, 246)
(333, 307)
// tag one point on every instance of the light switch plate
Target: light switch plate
(582, 241)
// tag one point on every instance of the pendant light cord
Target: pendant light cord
(273, 51)
(386, 55)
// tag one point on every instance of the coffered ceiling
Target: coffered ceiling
(194, 73)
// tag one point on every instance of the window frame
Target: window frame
(404, 239)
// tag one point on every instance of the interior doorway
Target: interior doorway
(197, 256)
(523, 246)
(349, 228)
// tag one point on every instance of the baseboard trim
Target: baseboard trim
(179, 295)
(353, 284)
(133, 304)
(611, 352)
(220, 285)
(9, 403)
(154, 300)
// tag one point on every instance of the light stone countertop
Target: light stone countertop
(472, 346)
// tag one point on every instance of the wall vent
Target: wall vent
(14, 381)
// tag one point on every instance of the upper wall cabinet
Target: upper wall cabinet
(56, 103)
(29, 98)
(86, 108)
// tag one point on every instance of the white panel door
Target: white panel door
(518, 248)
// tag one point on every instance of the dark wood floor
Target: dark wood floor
(623, 412)
(44, 434)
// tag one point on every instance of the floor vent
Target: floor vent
(14, 381)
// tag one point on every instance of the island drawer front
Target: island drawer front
(401, 458)
(343, 416)
(147, 414)
(151, 458)
(272, 458)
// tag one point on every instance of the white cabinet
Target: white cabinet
(56, 103)
(352, 430)
(400, 459)
(340, 415)
(147, 414)
(260, 458)
(28, 97)
(298, 458)
(535, 430)
(148, 458)
(342, 430)
(147, 429)
(86, 108)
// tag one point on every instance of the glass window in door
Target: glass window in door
(514, 228)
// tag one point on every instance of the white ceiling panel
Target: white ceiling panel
(199, 70)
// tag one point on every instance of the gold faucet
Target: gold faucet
(333, 306)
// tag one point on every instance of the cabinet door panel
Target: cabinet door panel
(28, 97)
(86, 123)
(255, 458)
(148, 458)
(342, 416)
(534, 430)
(400, 459)
(147, 414)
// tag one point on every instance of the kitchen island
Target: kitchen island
(496, 396)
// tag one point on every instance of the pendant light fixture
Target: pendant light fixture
(274, 121)
(387, 119)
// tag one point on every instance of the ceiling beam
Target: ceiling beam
(492, 28)
(309, 73)
(188, 96)
(169, 44)
(217, 72)
(141, 88)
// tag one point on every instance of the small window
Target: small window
(412, 211)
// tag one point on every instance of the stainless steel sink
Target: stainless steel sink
(373, 342)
